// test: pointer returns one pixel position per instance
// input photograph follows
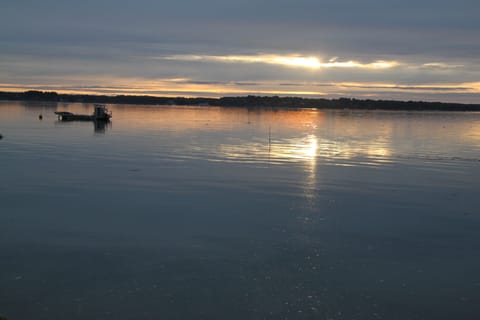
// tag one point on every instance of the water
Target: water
(218, 213)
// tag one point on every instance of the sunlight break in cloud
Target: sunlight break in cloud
(288, 60)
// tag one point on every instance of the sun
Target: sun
(297, 61)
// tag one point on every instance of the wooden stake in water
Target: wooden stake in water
(269, 143)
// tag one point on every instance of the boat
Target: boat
(100, 113)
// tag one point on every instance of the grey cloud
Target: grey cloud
(374, 26)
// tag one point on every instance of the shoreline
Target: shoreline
(242, 101)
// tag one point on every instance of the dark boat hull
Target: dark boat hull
(68, 116)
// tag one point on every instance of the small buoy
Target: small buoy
(40, 117)
(1, 137)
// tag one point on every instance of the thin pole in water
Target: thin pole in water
(269, 143)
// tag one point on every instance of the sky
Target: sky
(368, 49)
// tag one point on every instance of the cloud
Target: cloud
(469, 88)
(442, 65)
(300, 61)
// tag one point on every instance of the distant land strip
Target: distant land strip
(244, 101)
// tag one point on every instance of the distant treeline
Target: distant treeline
(245, 101)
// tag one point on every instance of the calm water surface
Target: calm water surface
(217, 213)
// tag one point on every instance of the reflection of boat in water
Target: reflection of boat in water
(100, 127)
(100, 113)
